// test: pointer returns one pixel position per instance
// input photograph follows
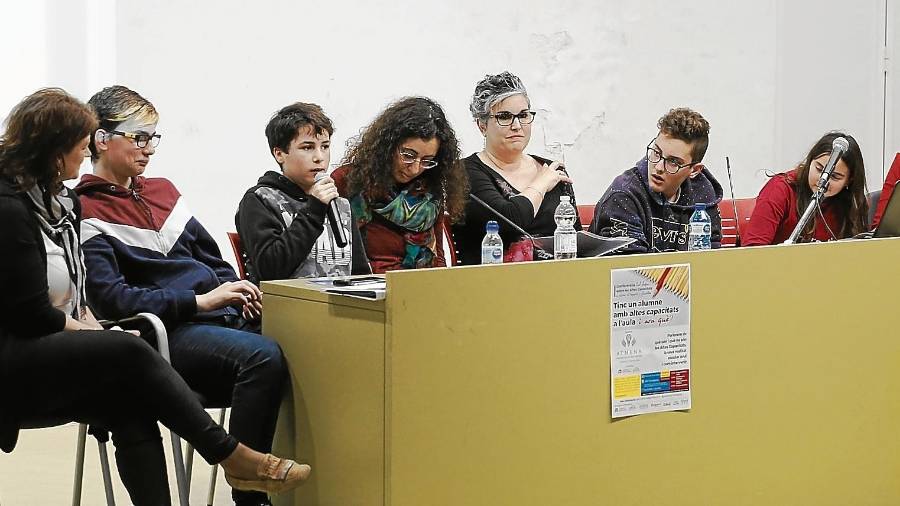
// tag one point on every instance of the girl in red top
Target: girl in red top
(843, 212)
(403, 179)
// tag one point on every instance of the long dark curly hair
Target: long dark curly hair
(371, 155)
(851, 205)
(40, 130)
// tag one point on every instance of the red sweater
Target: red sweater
(890, 181)
(775, 214)
(384, 242)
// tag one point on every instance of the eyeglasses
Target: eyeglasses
(505, 118)
(140, 140)
(654, 155)
(410, 157)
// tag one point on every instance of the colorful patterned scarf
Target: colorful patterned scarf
(415, 211)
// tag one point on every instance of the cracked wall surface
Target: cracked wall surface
(600, 74)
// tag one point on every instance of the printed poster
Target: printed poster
(650, 340)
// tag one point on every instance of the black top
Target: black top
(25, 308)
(488, 185)
(276, 249)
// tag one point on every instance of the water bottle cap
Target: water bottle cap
(699, 206)
(492, 227)
(564, 198)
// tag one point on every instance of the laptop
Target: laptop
(890, 220)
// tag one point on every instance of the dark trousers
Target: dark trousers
(232, 365)
(118, 381)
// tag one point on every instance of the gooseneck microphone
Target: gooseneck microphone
(541, 253)
(334, 219)
(839, 146)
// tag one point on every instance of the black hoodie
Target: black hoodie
(629, 208)
(284, 234)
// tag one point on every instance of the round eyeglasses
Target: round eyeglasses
(671, 165)
(410, 157)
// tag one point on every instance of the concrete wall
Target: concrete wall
(771, 76)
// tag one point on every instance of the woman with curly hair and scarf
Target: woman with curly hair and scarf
(403, 178)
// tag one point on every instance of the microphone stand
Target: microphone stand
(810, 209)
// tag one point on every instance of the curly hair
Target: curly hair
(689, 126)
(40, 130)
(116, 104)
(851, 204)
(371, 155)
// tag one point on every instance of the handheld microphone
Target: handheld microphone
(334, 219)
(838, 147)
(541, 253)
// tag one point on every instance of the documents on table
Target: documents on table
(369, 287)
(650, 339)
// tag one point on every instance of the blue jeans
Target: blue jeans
(237, 368)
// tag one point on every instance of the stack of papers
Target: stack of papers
(369, 287)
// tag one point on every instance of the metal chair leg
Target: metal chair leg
(189, 462)
(107, 477)
(215, 468)
(79, 464)
(180, 476)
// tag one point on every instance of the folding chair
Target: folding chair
(162, 345)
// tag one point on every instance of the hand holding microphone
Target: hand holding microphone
(325, 191)
(551, 175)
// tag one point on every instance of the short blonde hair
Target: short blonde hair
(116, 104)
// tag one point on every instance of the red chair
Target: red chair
(733, 225)
(586, 215)
(239, 254)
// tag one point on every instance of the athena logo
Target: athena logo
(629, 341)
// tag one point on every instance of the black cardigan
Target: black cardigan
(25, 308)
(486, 184)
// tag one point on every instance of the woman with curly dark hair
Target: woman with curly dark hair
(404, 180)
(844, 209)
(57, 364)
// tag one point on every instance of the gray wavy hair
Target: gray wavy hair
(492, 89)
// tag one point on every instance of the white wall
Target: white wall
(23, 35)
(600, 72)
(892, 88)
(830, 77)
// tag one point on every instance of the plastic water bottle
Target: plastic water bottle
(492, 245)
(700, 229)
(565, 239)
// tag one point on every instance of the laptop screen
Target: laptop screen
(890, 221)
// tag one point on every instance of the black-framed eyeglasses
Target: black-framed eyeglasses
(410, 157)
(141, 140)
(505, 118)
(671, 165)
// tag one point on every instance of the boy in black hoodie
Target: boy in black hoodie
(653, 201)
(282, 219)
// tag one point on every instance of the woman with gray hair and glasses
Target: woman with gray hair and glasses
(523, 188)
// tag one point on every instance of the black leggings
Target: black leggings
(117, 381)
